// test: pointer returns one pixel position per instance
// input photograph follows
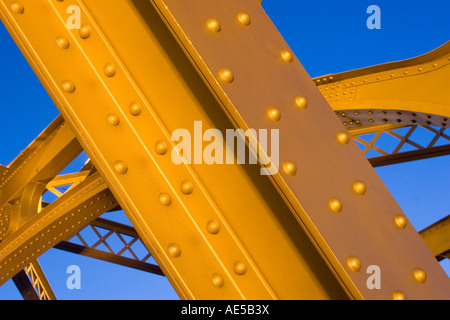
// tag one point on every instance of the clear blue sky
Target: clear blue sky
(328, 37)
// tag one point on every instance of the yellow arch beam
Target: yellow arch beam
(411, 92)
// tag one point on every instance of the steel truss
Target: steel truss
(120, 111)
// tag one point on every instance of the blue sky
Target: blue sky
(328, 37)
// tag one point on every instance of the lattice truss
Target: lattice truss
(102, 239)
(402, 139)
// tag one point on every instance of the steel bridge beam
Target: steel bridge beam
(60, 219)
(409, 92)
(122, 96)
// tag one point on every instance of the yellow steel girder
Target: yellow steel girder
(122, 96)
(408, 92)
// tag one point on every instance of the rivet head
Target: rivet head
(359, 187)
(113, 119)
(174, 250)
(187, 187)
(301, 102)
(420, 275)
(226, 75)
(335, 205)
(239, 268)
(165, 199)
(135, 109)
(289, 168)
(353, 264)
(213, 25)
(213, 226)
(217, 280)
(273, 114)
(398, 295)
(161, 147)
(17, 7)
(62, 42)
(342, 137)
(120, 167)
(110, 70)
(243, 19)
(286, 56)
(400, 221)
(85, 32)
(68, 86)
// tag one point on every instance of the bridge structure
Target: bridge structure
(135, 72)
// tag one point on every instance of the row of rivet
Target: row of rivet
(161, 147)
(359, 188)
(50, 242)
(289, 168)
(187, 187)
(226, 75)
(390, 75)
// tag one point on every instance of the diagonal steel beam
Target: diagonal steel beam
(58, 220)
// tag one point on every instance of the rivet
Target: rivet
(359, 187)
(392, 75)
(301, 102)
(419, 275)
(68, 86)
(213, 25)
(286, 56)
(187, 187)
(217, 280)
(435, 65)
(335, 205)
(420, 69)
(353, 264)
(226, 75)
(243, 19)
(398, 295)
(85, 32)
(405, 72)
(174, 250)
(240, 268)
(400, 221)
(135, 109)
(273, 114)
(213, 226)
(161, 147)
(164, 199)
(342, 137)
(289, 168)
(113, 119)
(120, 167)
(62, 42)
(110, 70)
(17, 7)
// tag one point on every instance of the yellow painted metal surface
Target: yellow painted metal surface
(437, 237)
(61, 219)
(39, 281)
(138, 70)
(339, 201)
(208, 246)
(410, 92)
